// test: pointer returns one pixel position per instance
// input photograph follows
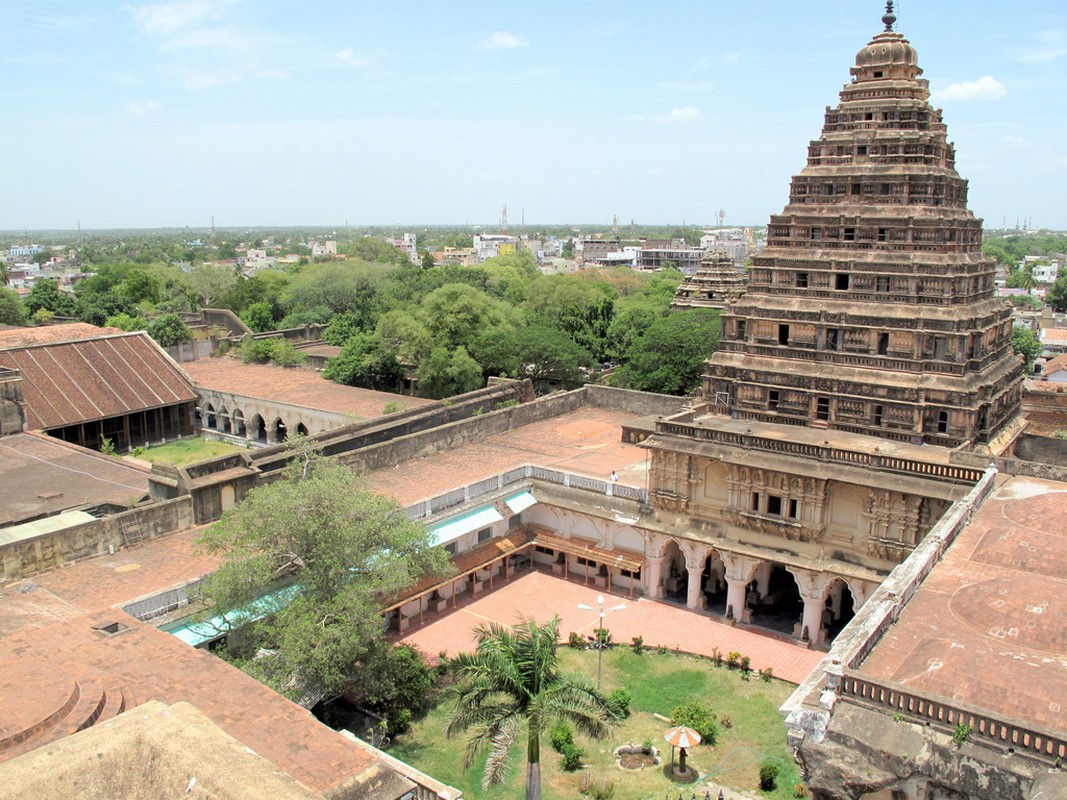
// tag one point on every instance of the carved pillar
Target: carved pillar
(654, 581)
(695, 597)
(812, 621)
(763, 578)
(812, 586)
(735, 598)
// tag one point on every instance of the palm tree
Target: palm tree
(513, 679)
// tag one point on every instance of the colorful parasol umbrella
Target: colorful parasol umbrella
(682, 737)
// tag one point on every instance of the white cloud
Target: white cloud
(348, 58)
(985, 88)
(164, 19)
(688, 86)
(137, 109)
(684, 114)
(501, 40)
(1050, 47)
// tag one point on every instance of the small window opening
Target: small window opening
(868, 115)
(774, 505)
(755, 501)
(883, 234)
(878, 73)
(878, 414)
(802, 280)
(942, 422)
(793, 508)
(822, 409)
(857, 189)
(881, 283)
(741, 329)
(484, 535)
(783, 334)
(883, 344)
(772, 399)
(841, 281)
(861, 150)
(850, 234)
(816, 233)
(833, 338)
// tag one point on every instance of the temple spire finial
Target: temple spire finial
(889, 17)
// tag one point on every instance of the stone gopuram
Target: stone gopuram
(872, 308)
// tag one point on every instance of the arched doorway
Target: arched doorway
(238, 426)
(675, 583)
(780, 608)
(840, 608)
(301, 429)
(259, 427)
(713, 583)
(212, 420)
(224, 420)
(281, 433)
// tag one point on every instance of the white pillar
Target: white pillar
(654, 580)
(695, 597)
(763, 579)
(813, 607)
(735, 597)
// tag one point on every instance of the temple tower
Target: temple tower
(872, 308)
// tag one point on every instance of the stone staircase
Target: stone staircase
(90, 700)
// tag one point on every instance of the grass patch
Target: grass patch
(657, 683)
(187, 451)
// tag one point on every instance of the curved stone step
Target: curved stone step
(43, 726)
(89, 707)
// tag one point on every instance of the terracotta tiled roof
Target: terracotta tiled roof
(69, 382)
(1055, 364)
(16, 337)
(299, 387)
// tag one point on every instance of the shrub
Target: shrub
(620, 699)
(799, 790)
(766, 674)
(560, 736)
(572, 757)
(745, 663)
(725, 721)
(575, 640)
(169, 329)
(596, 788)
(768, 777)
(285, 355)
(603, 637)
(961, 733)
(647, 746)
(716, 656)
(732, 659)
(638, 645)
(391, 407)
(698, 717)
(662, 650)
(107, 447)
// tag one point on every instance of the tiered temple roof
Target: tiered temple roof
(872, 309)
(712, 285)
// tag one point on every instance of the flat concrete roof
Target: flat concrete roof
(41, 476)
(297, 387)
(988, 627)
(587, 441)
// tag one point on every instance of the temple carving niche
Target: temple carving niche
(872, 308)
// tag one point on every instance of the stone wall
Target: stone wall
(30, 556)
(1042, 449)
(643, 403)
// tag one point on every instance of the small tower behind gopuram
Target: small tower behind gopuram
(872, 308)
(716, 282)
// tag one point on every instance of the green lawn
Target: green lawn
(657, 684)
(186, 451)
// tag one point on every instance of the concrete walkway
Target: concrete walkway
(541, 596)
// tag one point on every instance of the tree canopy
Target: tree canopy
(340, 550)
(512, 681)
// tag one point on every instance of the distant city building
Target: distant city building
(490, 245)
(409, 244)
(326, 249)
(717, 281)
(661, 254)
(24, 250)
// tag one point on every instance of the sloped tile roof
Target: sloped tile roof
(70, 382)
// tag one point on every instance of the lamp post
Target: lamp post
(603, 612)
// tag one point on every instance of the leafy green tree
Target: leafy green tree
(444, 373)
(169, 329)
(406, 336)
(1057, 294)
(46, 295)
(580, 307)
(1025, 344)
(259, 317)
(12, 311)
(699, 717)
(211, 281)
(126, 322)
(669, 357)
(342, 549)
(342, 328)
(456, 314)
(341, 286)
(547, 356)
(365, 361)
(428, 260)
(512, 681)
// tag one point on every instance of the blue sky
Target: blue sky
(263, 113)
